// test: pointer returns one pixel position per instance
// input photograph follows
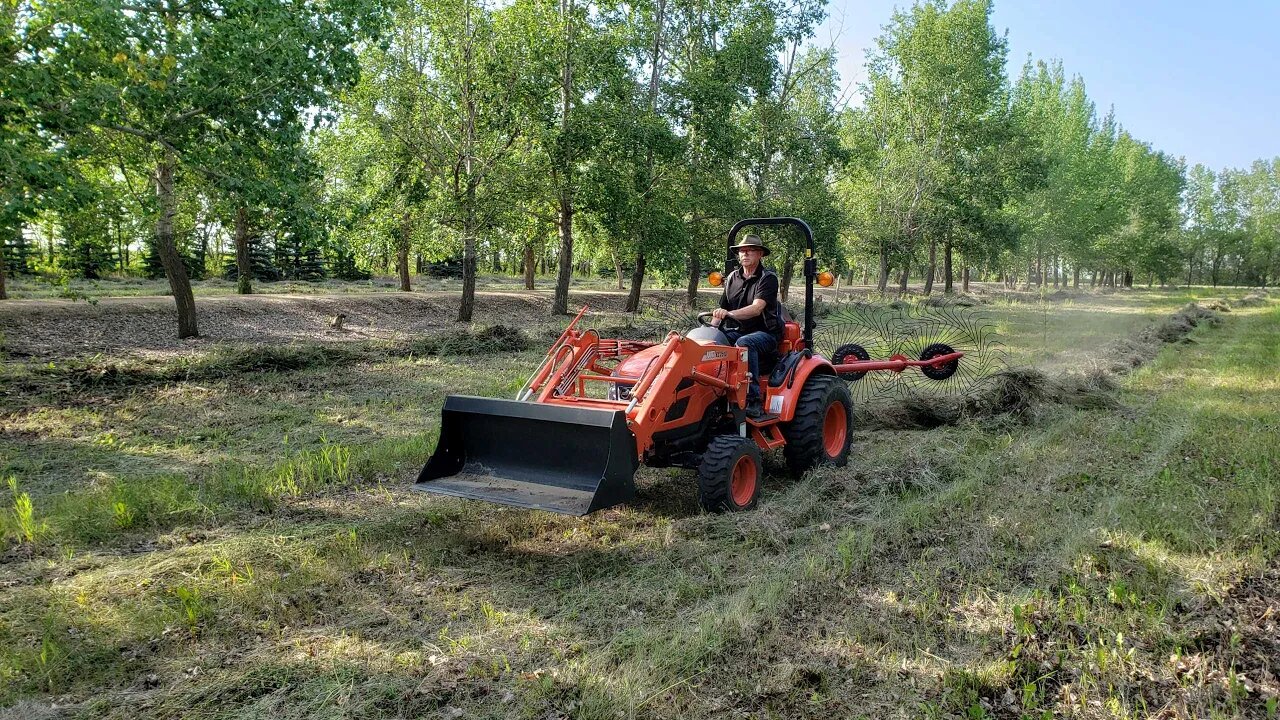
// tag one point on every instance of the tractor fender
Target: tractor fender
(789, 392)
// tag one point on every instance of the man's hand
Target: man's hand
(717, 315)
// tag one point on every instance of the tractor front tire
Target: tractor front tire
(822, 430)
(729, 475)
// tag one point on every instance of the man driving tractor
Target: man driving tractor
(751, 298)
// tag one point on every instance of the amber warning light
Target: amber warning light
(716, 279)
(826, 279)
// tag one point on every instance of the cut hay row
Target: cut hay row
(1018, 392)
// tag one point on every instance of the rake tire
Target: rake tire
(822, 430)
(729, 474)
(938, 372)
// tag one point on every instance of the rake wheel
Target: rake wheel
(938, 372)
(844, 353)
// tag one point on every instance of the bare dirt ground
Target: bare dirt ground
(146, 326)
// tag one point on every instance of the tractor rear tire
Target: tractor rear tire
(822, 430)
(729, 475)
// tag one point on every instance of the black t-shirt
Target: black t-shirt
(739, 292)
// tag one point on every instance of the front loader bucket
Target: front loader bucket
(549, 457)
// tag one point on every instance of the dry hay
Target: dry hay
(1178, 325)
(1237, 637)
(1219, 305)
(965, 301)
(1017, 393)
(1013, 392)
(1253, 299)
(147, 326)
(232, 359)
(1125, 354)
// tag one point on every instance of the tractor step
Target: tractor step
(569, 460)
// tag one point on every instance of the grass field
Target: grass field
(232, 535)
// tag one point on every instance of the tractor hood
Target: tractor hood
(635, 365)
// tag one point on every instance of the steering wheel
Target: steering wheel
(728, 324)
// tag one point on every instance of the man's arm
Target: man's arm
(756, 307)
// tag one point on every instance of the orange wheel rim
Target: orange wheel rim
(743, 483)
(835, 430)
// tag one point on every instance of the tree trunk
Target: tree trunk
(695, 275)
(965, 281)
(933, 266)
(167, 248)
(639, 237)
(529, 266)
(1075, 277)
(122, 257)
(244, 270)
(788, 272)
(3, 294)
(637, 280)
(560, 303)
(402, 250)
(1128, 278)
(469, 258)
(906, 273)
(948, 270)
(882, 282)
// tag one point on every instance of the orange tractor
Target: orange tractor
(597, 408)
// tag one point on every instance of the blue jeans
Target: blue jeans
(757, 342)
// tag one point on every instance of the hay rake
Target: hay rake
(862, 330)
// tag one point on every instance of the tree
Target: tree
(1262, 221)
(36, 109)
(935, 90)
(182, 77)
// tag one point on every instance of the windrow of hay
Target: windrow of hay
(1178, 325)
(233, 360)
(1253, 299)
(953, 301)
(1017, 393)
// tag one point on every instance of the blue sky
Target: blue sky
(1197, 79)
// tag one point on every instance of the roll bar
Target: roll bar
(810, 263)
